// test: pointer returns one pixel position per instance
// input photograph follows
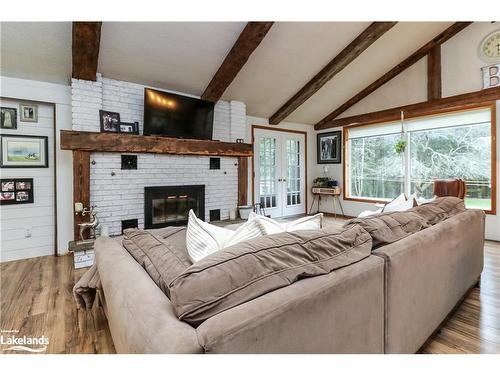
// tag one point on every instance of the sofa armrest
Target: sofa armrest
(341, 312)
(426, 274)
(140, 316)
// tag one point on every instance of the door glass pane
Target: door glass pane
(455, 152)
(267, 172)
(293, 172)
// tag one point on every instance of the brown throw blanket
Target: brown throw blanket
(85, 289)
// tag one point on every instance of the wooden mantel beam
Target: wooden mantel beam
(434, 73)
(112, 142)
(450, 103)
(85, 49)
(364, 40)
(451, 31)
(249, 39)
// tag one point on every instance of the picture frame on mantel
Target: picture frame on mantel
(329, 147)
(110, 121)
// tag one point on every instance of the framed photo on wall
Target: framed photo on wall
(29, 112)
(8, 118)
(330, 147)
(16, 191)
(24, 151)
(110, 121)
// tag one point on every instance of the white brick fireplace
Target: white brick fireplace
(119, 194)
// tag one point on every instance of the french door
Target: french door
(279, 172)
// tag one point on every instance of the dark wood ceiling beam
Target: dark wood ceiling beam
(249, 39)
(409, 61)
(434, 73)
(339, 62)
(85, 49)
(450, 103)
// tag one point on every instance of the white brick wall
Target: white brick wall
(121, 196)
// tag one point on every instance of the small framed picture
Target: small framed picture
(16, 191)
(329, 147)
(129, 127)
(110, 121)
(8, 186)
(24, 151)
(29, 112)
(7, 197)
(23, 185)
(8, 119)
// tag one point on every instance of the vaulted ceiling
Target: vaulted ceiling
(184, 56)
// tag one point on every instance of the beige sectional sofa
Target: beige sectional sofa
(388, 302)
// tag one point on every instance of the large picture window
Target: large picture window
(452, 145)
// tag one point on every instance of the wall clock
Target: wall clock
(489, 48)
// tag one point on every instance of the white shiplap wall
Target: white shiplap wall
(38, 217)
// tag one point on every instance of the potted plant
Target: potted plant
(400, 146)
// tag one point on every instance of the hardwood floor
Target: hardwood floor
(36, 299)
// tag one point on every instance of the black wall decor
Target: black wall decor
(130, 223)
(329, 147)
(214, 163)
(129, 161)
(214, 215)
(16, 191)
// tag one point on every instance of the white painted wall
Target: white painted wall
(60, 95)
(461, 73)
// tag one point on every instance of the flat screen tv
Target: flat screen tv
(178, 116)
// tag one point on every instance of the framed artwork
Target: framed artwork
(29, 112)
(129, 127)
(24, 151)
(110, 121)
(16, 191)
(330, 147)
(8, 118)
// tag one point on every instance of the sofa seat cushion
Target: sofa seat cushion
(161, 252)
(390, 227)
(250, 269)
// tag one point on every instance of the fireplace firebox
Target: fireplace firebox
(170, 205)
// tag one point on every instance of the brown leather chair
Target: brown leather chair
(450, 188)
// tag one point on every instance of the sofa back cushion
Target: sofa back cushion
(386, 228)
(440, 209)
(250, 269)
(390, 227)
(161, 252)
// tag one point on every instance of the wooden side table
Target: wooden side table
(334, 192)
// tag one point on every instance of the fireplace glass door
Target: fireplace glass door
(170, 205)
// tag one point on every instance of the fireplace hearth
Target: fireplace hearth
(170, 205)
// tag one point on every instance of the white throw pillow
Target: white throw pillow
(405, 205)
(399, 200)
(203, 239)
(272, 226)
(422, 200)
(369, 213)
